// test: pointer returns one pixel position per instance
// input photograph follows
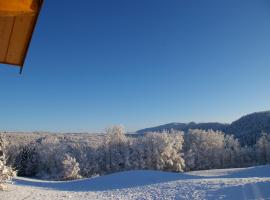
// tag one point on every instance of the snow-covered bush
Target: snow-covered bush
(70, 168)
(6, 172)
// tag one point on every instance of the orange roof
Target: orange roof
(17, 22)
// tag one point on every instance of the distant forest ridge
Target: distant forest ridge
(247, 129)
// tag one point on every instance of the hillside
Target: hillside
(185, 127)
(248, 128)
(242, 183)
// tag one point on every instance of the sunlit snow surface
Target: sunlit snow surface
(245, 183)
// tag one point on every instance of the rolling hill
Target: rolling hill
(241, 183)
(247, 129)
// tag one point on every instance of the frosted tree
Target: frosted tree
(150, 151)
(89, 158)
(190, 159)
(204, 149)
(232, 150)
(213, 149)
(172, 154)
(117, 149)
(28, 160)
(6, 173)
(49, 167)
(163, 151)
(247, 157)
(167, 151)
(70, 168)
(138, 159)
(263, 149)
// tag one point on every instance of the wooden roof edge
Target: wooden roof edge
(11, 64)
(35, 16)
(40, 3)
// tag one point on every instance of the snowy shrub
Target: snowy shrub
(70, 168)
(6, 173)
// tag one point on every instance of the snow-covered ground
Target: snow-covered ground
(245, 183)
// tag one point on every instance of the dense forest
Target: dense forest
(69, 157)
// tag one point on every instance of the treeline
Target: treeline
(49, 158)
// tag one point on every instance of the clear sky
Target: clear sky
(140, 63)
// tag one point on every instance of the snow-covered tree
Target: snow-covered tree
(247, 157)
(231, 152)
(28, 160)
(213, 149)
(6, 173)
(117, 149)
(167, 151)
(163, 151)
(204, 149)
(263, 149)
(70, 168)
(138, 159)
(190, 159)
(88, 157)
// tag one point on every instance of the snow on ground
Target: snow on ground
(244, 183)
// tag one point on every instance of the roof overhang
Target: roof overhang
(17, 22)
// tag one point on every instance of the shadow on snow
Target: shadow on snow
(129, 179)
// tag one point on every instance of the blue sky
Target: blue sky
(140, 63)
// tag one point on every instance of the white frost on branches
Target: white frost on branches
(6, 173)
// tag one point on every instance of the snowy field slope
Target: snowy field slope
(245, 183)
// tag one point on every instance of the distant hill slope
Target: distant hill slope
(185, 127)
(248, 128)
